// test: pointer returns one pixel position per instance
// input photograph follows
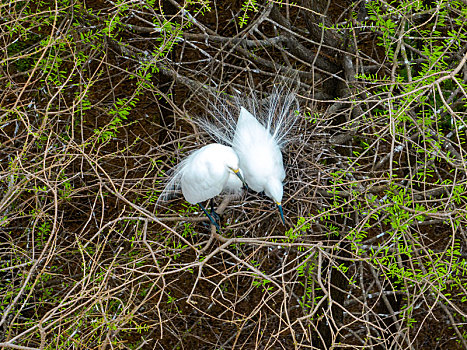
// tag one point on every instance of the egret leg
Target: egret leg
(209, 216)
(213, 212)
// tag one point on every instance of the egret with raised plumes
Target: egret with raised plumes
(257, 138)
(260, 158)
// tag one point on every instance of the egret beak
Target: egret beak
(237, 172)
(281, 212)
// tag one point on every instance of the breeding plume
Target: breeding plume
(260, 158)
(204, 174)
(258, 143)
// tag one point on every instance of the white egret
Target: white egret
(258, 143)
(260, 158)
(204, 174)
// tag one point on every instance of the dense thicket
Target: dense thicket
(97, 103)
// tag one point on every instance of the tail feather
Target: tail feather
(222, 123)
(278, 113)
(172, 183)
(282, 114)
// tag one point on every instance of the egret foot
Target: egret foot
(213, 212)
(214, 222)
(216, 216)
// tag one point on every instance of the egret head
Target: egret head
(232, 163)
(274, 189)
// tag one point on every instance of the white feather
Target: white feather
(259, 154)
(262, 130)
(205, 174)
(257, 137)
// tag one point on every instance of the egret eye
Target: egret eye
(239, 175)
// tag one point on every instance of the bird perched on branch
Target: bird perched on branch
(204, 174)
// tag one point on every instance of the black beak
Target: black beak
(237, 172)
(281, 212)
